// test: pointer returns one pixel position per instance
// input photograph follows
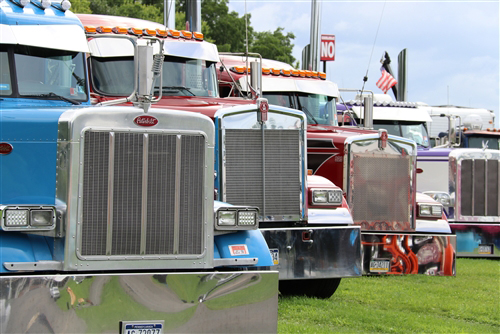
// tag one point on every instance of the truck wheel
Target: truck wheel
(322, 288)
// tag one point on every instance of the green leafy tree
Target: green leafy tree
(274, 45)
(81, 6)
(225, 29)
(140, 11)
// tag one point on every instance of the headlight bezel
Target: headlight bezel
(326, 196)
(428, 210)
(27, 218)
(245, 218)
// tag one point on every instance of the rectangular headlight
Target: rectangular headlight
(335, 197)
(227, 218)
(247, 218)
(14, 218)
(320, 196)
(429, 210)
(42, 217)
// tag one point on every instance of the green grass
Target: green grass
(467, 303)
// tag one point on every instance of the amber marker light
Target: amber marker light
(120, 30)
(104, 30)
(90, 29)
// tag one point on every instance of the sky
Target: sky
(452, 46)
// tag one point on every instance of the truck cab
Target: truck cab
(112, 207)
(461, 172)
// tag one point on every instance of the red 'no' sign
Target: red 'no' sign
(327, 47)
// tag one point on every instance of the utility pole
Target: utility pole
(169, 13)
(314, 44)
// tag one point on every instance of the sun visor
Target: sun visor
(193, 50)
(282, 84)
(111, 47)
(59, 37)
(395, 113)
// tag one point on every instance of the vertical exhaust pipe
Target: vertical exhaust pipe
(368, 106)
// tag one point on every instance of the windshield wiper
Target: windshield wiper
(166, 89)
(309, 114)
(51, 94)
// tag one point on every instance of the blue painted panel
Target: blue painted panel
(18, 247)
(28, 173)
(253, 239)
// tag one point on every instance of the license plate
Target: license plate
(275, 254)
(142, 327)
(485, 249)
(380, 265)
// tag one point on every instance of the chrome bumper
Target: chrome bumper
(226, 302)
(315, 252)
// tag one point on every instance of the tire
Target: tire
(322, 288)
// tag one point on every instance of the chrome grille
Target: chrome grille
(380, 188)
(479, 193)
(142, 194)
(276, 194)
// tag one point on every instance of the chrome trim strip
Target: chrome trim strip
(486, 187)
(235, 262)
(473, 190)
(38, 266)
(144, 214)
(111, 167)
(178, 154)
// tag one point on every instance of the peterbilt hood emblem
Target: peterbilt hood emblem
(5, 148)
(145, 120)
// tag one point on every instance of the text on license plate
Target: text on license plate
(275, 254)
(485, 249)
(136, 327)
(380, 265)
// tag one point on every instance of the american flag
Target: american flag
(386, 81)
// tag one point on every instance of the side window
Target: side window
(278, 99)
(5, 82)
(392, 129)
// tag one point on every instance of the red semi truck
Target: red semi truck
(403, 231)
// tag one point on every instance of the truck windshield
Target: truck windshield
(181, 76)
(491, 142)
(42, 73)
(318, 108)
(411, 130)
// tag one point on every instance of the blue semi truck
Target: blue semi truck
(107, 215)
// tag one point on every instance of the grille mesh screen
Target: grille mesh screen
(479, 187)
(245, 183)
(380, 188)
(129, 155)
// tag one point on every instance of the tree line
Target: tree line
(225, 29)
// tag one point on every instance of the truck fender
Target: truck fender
(253, 246)
(16, 247)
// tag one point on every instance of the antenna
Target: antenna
(365, 78)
